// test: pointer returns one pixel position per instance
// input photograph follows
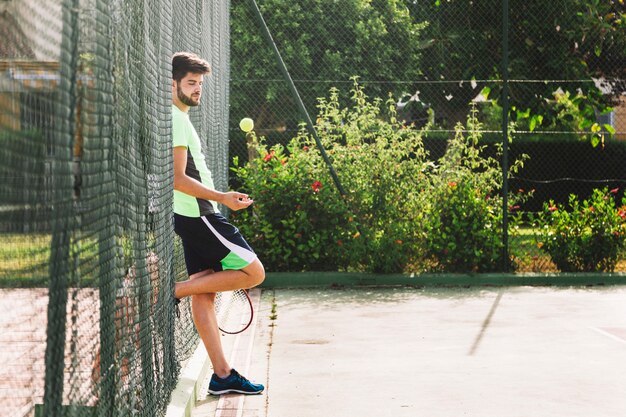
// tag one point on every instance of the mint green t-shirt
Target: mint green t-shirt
(184, 134)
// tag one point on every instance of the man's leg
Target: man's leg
(225, 379)
(228, 280)
(203, 313)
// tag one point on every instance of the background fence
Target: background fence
(87, 263)
(566, 62)
(565, 78)
(86, 256)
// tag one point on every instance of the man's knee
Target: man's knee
(256, 272)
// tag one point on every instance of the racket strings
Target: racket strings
(233, 310)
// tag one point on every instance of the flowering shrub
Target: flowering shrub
(586, 236)
(299, 221)
(463, 221)
(296, 218)
(401, 213)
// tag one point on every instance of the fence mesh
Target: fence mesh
(87, 263)
(566, 79)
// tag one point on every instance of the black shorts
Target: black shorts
(210, 242)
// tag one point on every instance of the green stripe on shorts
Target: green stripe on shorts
(234, 261)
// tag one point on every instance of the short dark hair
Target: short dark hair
(186, 62)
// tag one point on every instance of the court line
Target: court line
(486, 323)
(609, 334)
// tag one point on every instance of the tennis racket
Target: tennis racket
(234, 311)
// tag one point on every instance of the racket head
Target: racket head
(234, 311)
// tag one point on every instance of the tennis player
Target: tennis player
(216, 255)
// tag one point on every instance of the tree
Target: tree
(323, 43)
(571, 41)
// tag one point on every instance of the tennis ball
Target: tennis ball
(246, 124)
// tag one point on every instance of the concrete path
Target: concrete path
(479, 352)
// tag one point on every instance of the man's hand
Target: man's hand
(235, 201)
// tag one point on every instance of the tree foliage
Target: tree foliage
(323, 43)
(571, 41)
(449, 51)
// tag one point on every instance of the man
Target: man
(217, 256)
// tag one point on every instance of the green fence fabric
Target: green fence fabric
(88, 256)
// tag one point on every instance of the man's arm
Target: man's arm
(185, 184)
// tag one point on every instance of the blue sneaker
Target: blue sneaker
(233, 383)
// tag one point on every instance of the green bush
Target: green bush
(585, 236)
(296, 218)
(382, 167)
(299, 221)
(462, 229)
(402, 212)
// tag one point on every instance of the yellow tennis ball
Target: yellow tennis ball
(246, 124)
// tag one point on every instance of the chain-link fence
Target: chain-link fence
(87, 263)
(563, 91)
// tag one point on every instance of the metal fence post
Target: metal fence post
(505, 134)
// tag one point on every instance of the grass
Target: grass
(25, 260)
(527, 255)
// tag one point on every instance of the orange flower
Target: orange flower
(452, 184)
(317, 186)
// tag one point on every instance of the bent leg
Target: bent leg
(228, 280)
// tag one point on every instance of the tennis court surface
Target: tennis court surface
(434, 352)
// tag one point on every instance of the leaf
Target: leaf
(584, 124)
(485, 92)
(523, 114)
(595, 141)
(609, 128)
(425, 44)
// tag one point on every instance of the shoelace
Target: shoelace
(238, 376)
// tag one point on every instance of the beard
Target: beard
(187, 100)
